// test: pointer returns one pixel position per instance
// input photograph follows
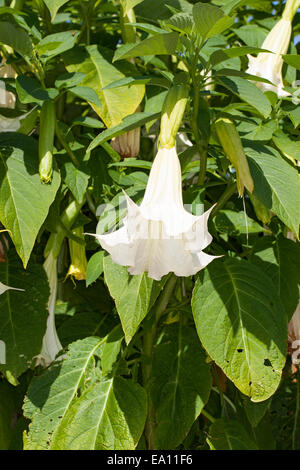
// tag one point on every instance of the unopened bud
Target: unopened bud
(232, 145)
(78, 265)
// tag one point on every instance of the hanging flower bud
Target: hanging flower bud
(46, 139)
(232, 145)
(78, 265)
(269, 65)
(160, 236)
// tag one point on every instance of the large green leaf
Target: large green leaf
(210, 20)
(115, 103)
(54, 6)
(50, 394)
(110, 415)
(242, 325)
(181, 384)
(133, 295)
(55, 44)
(272, 175)
(280, 259)
(160, 44)
(23, 315)
(229, 435)
(30, 90)
(16, 38)
(24, 201)
(248, 92)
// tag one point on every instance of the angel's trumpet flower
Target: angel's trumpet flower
(269, 65)
(51, 344)
(160, 236)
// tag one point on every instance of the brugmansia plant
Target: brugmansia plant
(149, 239)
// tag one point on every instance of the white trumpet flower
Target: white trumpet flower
(294, 326)
(8, 100)
(160, 236)
(269, 65)
(51, 344)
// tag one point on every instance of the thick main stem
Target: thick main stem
(148, 343)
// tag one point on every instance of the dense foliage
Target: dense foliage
(197, 362)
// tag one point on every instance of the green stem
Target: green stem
(65, 145)
(208, 416)
(148, 343)
(229, 191)
(201, 148)
(68, 218)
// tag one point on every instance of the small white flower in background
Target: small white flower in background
(8, 100)
(269, 65)
(51, 344)
(4, 288)
(127, 144)
(160, 236)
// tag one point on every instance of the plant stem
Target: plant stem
(208, 416)
(194, 122)
(148, 343)
(229, 191)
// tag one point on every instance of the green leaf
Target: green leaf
(280, 260)
(50, 395)
(24, 201)
(293, 60)
(76, 178)
(133, 295)
(182, 22)
(30, 91)
(160, 44)
(248, 92)
(54, 6)
(252, 35)
(23, 315)
(180, 385)
(210, 20)
(55, 44)
(114, 104)
(139, 80)
(272, 175)
(7, 409)
(128, 123)
(229, 435)
(68, 80)
(109, 415)
(16, 38)
(94, 267)
(87, 94)
(242, 325)
(222, 55)
(234, 223)
(294, 115)
(111, 349)
(289, 148)
(255, 411)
